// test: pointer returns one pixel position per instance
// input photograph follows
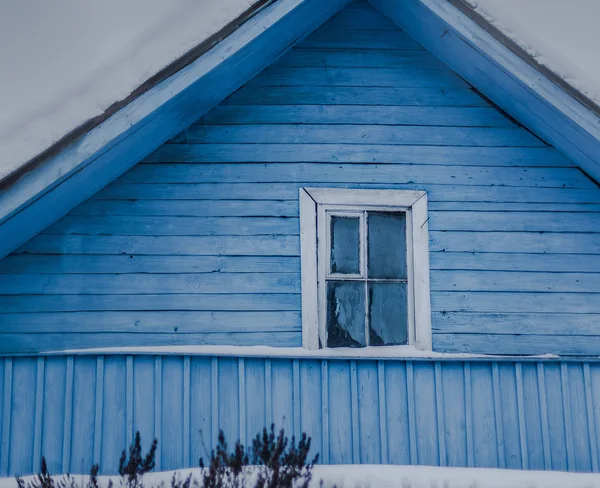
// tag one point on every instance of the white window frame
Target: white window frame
(315, 204)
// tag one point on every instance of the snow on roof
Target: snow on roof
(560, 35)
(65, 62)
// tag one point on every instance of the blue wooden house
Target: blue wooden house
(377, 223)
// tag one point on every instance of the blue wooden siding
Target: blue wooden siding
(199, 243)
(84, 409)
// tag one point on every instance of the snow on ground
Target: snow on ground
(66, 61)
(561, 35)
(386, 476)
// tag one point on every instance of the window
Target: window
(365, 268)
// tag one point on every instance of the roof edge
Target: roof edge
(98, 156)
(172, 68)
(497, 34)
(519, 87)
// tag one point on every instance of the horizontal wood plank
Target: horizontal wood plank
(401, 77)
(367, 18)
(579, 324)
(531, 344)
(461, 280)
(511, 302)
(574, 208)
(356, 173)
(559, 263)
(353, 153)
(340, 95)
(515, 221)
(324, 37)
(175, 226)
(123, 264)
(188, 208)
(172, 322)
(59, 284)
(44, 342)
(157, 302)
(165, 245)
(355, 114)
(517, 242)
(566, 222)
(285, 191)
(289, 208)
(360, 58)
(363, 134)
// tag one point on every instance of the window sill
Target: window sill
(387, 352)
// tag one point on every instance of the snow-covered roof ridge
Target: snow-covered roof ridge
(67, 63)
(560, 37)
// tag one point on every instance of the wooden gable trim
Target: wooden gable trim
(500, 74)
(99, 156)
(163, 74)
(481, 21)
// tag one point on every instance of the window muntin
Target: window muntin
(366, 282)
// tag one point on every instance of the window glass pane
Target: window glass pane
(345, 314)
(345, 245)
(386, 245)
(388, 314)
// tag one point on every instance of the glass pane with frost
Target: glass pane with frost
(345, 245)
(388, 315)
(386, 245)
(346, 314)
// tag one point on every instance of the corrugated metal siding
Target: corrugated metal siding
(76, 410)
(199, 243)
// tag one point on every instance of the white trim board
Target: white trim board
(501, 75)
(313, 202)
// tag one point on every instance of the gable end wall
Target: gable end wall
(199, 243)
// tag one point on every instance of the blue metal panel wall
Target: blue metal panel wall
(199, 244)
(84, 409)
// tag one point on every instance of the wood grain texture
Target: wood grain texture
(367, 77)
(308, 173)
(356, 153)
(149, 283)
(258, 191)
(208, 302)
(360, 134)
(502, 75)
(453, 417)
(301, 57)
(174, 226)
(355, 115)
(76, 173)
(343, 95)
(200, 243)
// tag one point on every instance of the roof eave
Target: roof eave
(511, 45)
(532, 95)
(163, 74)
(104, 148)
